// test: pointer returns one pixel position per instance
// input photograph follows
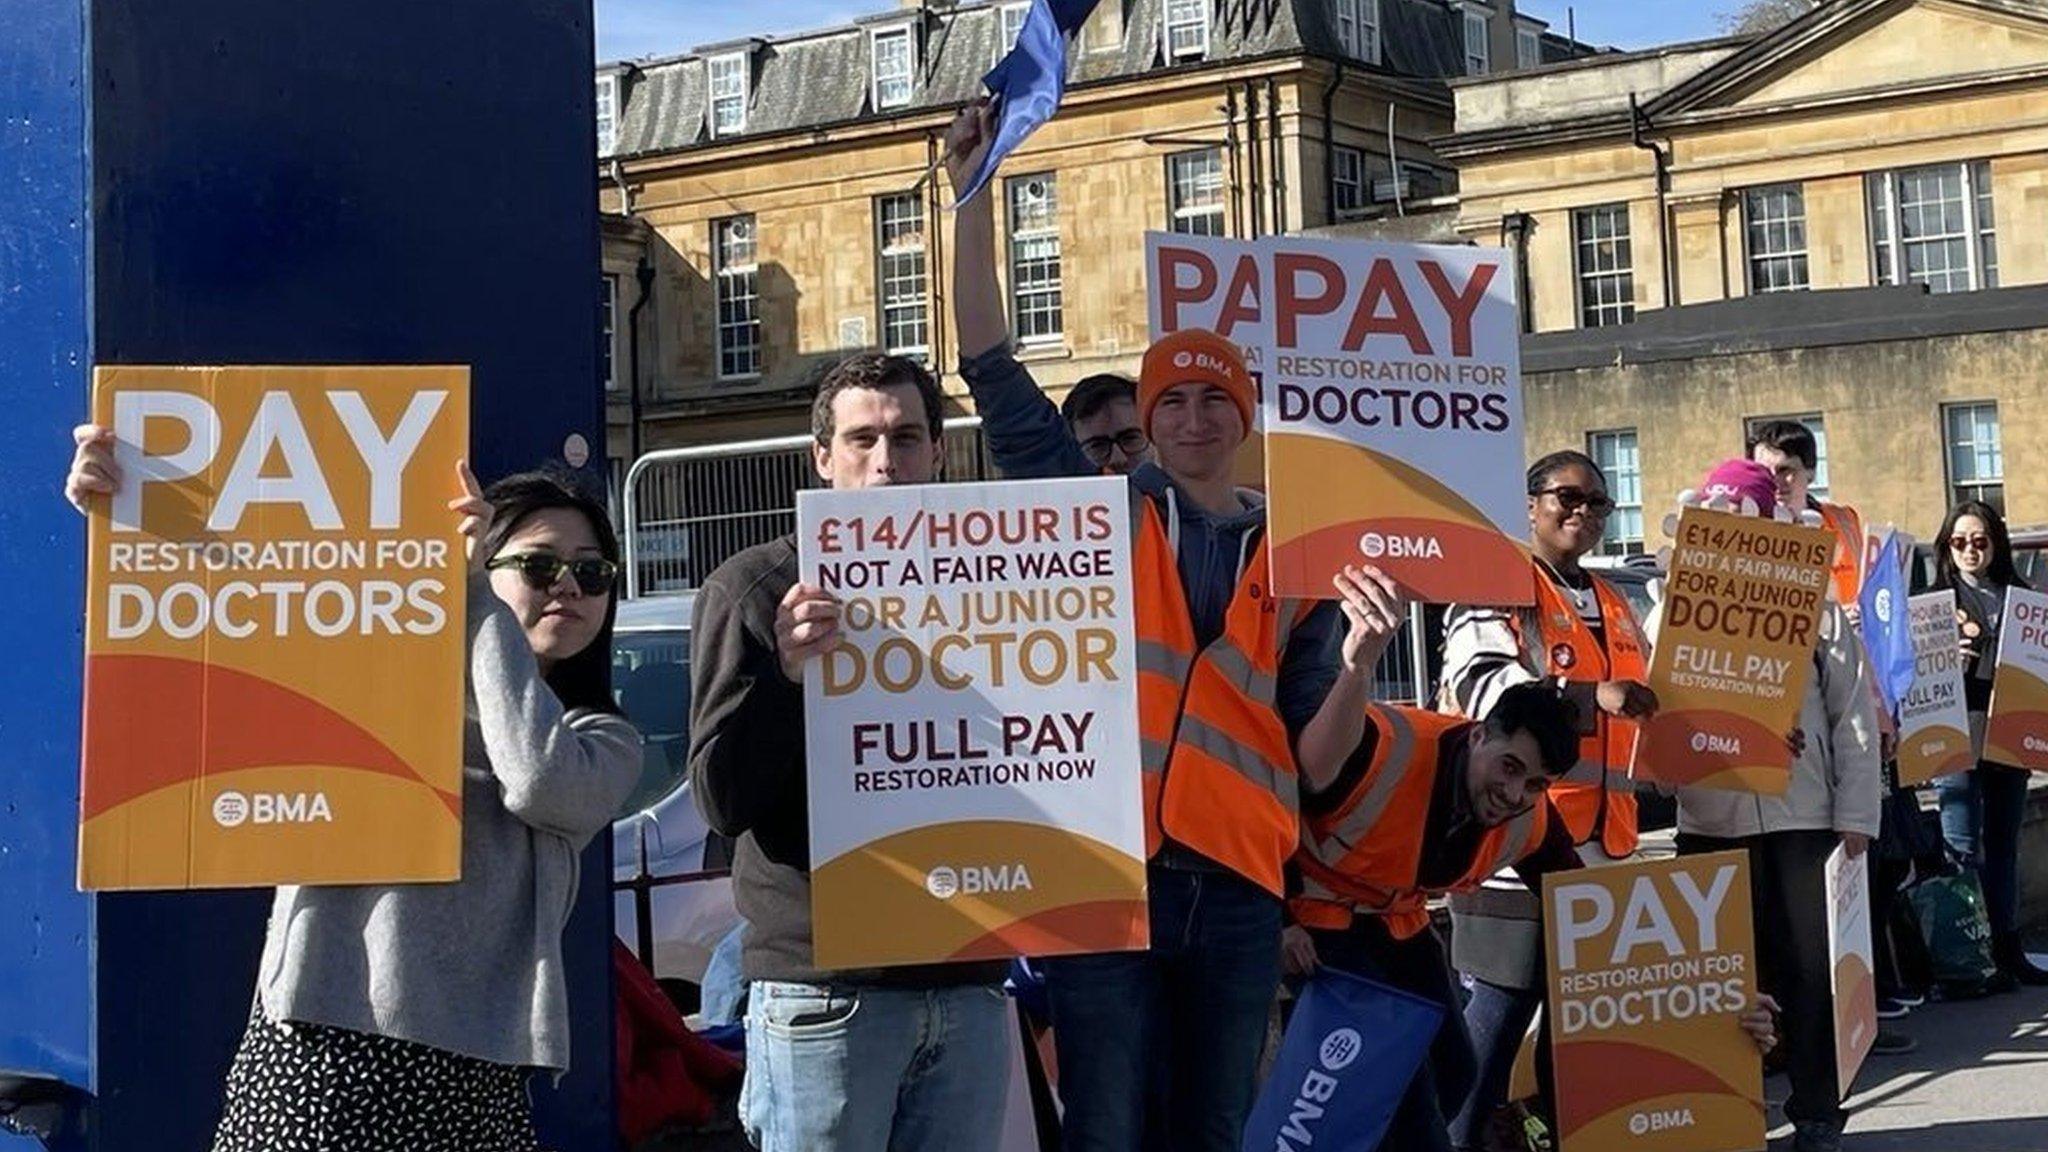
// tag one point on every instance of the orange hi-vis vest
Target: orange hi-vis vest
(1847, 525)
(1365, 853)
(1597, 797)
(1219, 769)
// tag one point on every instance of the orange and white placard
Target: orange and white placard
(2016, 732)
(1651, 967)
(1391, 398)
(1852, 964)
(1733, 651)
(1934, 719)
(274, 630)
(974, 771)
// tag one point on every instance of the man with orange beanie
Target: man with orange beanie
(1243, 698)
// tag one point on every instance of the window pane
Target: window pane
(1187, 28)
(1617, 454)
(728, 94)
(1035, 286)
(1605, 266)
(1194, 192)
(1347, 179)
(608, 307)
(738, 302)
(893, 71)
(900, 255)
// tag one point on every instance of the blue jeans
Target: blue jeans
(1159, 1049)
(1497, 1018)
(875, 1069)
(1981, 811)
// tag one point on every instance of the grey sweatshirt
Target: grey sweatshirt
(475, 966)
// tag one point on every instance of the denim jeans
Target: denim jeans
(875, 1069)
(1497, 1019)
(1981, 812)
(1158, 1050)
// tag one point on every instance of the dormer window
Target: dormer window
(1478, 21)
(895, 67)
(607, 114)
(1528, 47)
(1358, 28)
(1012, 25)
(1187, 30)
(728, 94)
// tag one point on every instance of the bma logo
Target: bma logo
(2034, 744)
(973, 880)
(1374, 545)
(1340, 1048)
(1721, 745)
(1667, 1120)
(232, 809)
(1883, 603)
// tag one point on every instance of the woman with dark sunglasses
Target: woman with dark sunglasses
(1981, 810)
(1580, 636)
(411, 1017)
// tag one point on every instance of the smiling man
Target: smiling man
(1429, 805)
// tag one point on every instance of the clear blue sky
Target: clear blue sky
(630, 28)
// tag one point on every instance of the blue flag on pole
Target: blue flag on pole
(1344, 1065)
(1887, 626)
(1029, 83)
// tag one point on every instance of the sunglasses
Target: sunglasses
(1131, 440)
(1970, 543)
(543, 571)
(1572, 499)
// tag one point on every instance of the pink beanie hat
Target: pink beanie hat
(1736, 480)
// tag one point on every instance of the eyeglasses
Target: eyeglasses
(1970, 543)
(542, 571)
(1571, 499)
(1133, 441)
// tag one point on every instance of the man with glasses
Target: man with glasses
(1103, 412)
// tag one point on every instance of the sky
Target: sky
(634, 28)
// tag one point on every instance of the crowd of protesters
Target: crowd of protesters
(1293, 821)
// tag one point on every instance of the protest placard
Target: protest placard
(1852, 964)
(2016, 731)
(1650, 968)
(973, 741)
(1213, 282)
(1391, 399)
(274, 629)
(1733, 652)
(1934, 720)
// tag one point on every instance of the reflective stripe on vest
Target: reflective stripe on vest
(1597, 795)
(1366, 853)
(1219, 770)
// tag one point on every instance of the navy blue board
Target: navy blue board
(45, 982)
(325, 181)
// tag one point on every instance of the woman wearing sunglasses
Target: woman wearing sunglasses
(1582, 637)
(411, 1017)
(1981, 809)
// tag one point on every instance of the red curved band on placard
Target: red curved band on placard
(1651, 1072)
(243, 721)
(1054, 930)
(1672, 756)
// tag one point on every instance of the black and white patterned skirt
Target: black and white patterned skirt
(308, 1088)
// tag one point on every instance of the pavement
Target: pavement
(1977, 1083)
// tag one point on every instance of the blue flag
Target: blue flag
(1344, 1065)
(1887, 626)
(1029, 83)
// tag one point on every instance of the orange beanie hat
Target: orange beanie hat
(1193, 356)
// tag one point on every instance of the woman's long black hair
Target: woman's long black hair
(2001, 572)
(585, 679)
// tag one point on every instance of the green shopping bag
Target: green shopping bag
(1958, 933)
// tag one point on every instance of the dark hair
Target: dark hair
(2001, 571)
(1541, 471)
(1546, 716)
(1094, 393)
(1788, 436)
(876, 371)
(585, 679)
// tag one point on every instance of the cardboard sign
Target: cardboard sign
(1934, 720)
(2016, 732)
(1733, 653)
(1852, 964)
(274, 629)
(973, 742)
(1391, 397)
(1651, 967)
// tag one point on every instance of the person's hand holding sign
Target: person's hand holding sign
(1628, 699)
(476, 517)
(1376, 608)
(806, 626)
(93, 471)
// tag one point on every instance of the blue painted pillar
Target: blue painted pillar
(322, 181)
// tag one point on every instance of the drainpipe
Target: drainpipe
(643, 275)
(1251, 148)
(1330, 146)
(934, 211)
(1278, 155)
(1637, 123)
(1518, 224)
(1236, 171)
